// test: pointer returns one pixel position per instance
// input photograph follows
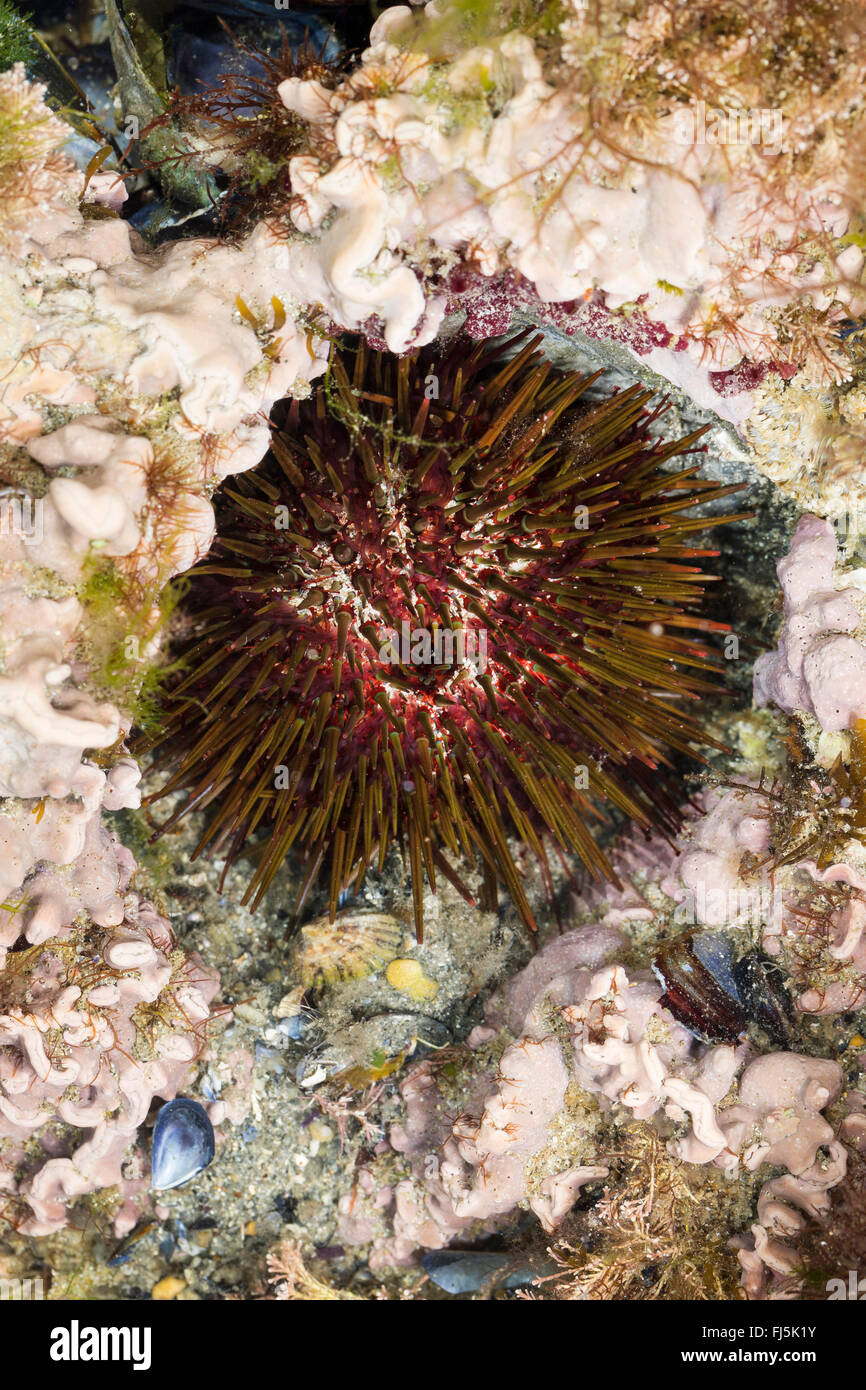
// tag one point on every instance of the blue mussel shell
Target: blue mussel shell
(183, 1143)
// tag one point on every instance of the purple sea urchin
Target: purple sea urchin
(452, 607)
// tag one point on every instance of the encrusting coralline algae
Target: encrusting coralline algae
(526, 182)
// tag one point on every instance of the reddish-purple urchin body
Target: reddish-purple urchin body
(449, 611)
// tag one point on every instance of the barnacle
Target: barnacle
(420, 617)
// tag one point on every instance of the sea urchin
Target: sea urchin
(450, 610)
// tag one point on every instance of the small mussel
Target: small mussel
(183, 1143)
(765, 999)
(717, 996)
(122, 1253)
(700, 990)
(476, 1271)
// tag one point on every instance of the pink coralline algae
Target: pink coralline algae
(705, 875)
(134, 335)
(545, 178)
(843, 985)
(594, 1045)
(40, 173)
(778, 1119)
(92, 1029)
(100, 1012)
(490, 303)
(721, 873)
(46, 723)
(69, 864)
(819, 666)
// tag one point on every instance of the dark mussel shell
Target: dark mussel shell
(716, 996)
(474, 1271)
(765, 999)
(183, 1143)
(700, 989)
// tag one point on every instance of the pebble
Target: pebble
(167, 1288)
(408, 977)
(249, 1013)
